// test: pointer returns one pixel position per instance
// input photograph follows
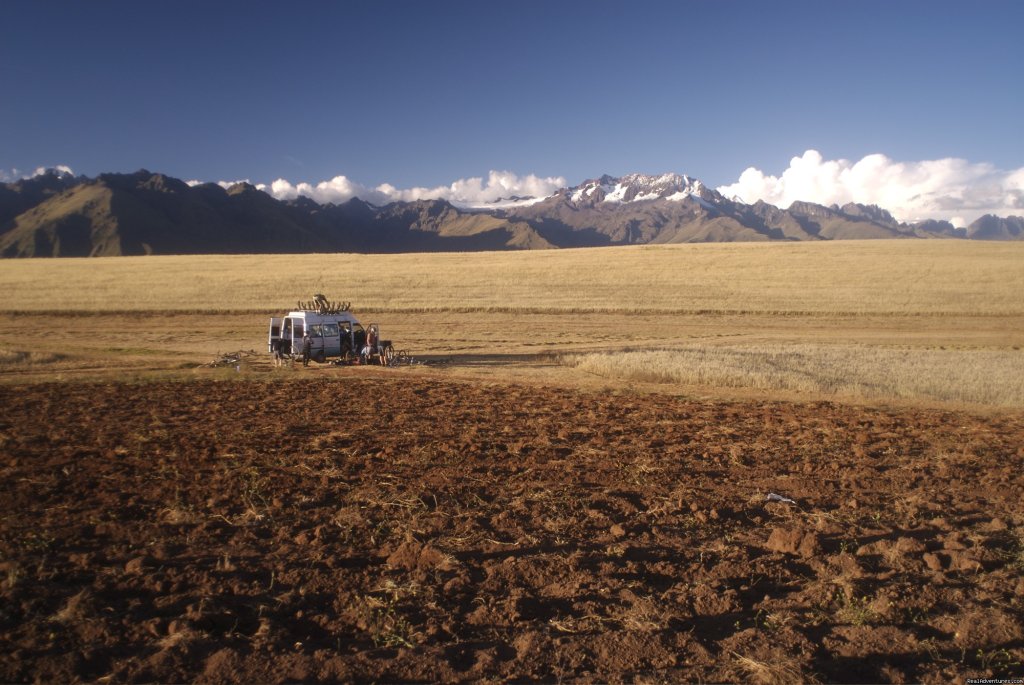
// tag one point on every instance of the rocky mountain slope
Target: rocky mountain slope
(59, 215)
(145, 213)
(677, 209)
(991, 227)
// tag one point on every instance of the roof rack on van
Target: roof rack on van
(321, 305)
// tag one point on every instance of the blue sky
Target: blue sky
(425, 93)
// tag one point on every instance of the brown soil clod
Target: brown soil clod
(794, 541)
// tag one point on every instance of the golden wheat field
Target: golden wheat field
(856, 277)
(891, 320)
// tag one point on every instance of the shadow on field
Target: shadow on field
(543, 359)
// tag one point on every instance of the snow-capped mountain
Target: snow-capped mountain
(638, 188)
(55, 214)
(610, 190)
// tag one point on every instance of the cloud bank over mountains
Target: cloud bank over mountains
(955, 190)
(952, 189)
(466, 191)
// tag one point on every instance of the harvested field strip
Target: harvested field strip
(398, 529)
(989, 377)
(525, 310)
(942, 277)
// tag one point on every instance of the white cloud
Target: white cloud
(952, 189)
(60, 168)
(227, 184)
(465, 191)
(12, 175)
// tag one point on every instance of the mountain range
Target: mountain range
(56, 214)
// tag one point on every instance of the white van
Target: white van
(332, 335)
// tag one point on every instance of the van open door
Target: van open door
(317, 348)
(289, 326)
(275, 332)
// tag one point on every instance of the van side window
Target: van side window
(298, 329)
(330, 330)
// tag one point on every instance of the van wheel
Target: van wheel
(320, 358)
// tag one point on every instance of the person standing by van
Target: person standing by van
(307, 348)
(370, 348)
(276, 348)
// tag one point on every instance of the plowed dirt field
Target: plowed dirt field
(398, 529)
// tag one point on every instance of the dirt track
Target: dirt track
(395, 529)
